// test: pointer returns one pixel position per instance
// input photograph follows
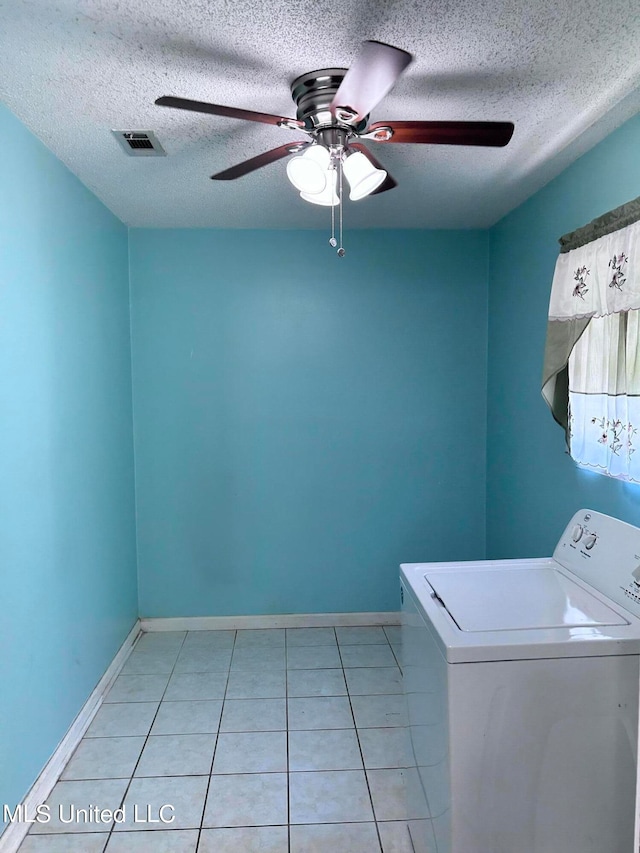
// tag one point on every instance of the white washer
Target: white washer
(522, 678)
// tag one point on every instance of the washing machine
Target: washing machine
(522, 680)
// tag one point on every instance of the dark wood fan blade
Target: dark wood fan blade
(258, 162)
(490, 133)
(375, 70)
(227, 112)
(389, 183)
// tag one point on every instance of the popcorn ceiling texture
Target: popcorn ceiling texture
(565, 72)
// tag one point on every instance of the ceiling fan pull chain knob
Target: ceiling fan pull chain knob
(341, 252)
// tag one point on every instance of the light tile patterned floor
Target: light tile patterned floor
(278, 741)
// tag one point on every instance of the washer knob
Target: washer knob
(590, 541)
(577, 532)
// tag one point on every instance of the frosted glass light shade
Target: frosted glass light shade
(328, 197)
(307, 172)
(362, 175)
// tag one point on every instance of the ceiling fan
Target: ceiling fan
(333, 106)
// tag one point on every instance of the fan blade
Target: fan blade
(389, 183)
(258, 162)
(228, 112)
(375, 70)
(490, 133)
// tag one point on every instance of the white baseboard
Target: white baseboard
(14, 833)
(287, 620)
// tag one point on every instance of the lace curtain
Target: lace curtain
(591, 377)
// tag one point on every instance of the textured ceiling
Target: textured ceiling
(566, 72)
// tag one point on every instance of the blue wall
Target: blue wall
(67, 534)
(303, 423)
(533, 486)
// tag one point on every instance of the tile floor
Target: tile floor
(278, 741)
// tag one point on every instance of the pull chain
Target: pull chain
(332, 240)
(341, 249)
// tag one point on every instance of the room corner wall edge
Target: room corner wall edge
(287, 620)
(15, 833)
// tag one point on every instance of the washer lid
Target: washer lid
(497, 600)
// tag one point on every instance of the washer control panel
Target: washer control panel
(582, 534)
(633, 590)
(605, 552)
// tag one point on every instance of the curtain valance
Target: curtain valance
(596, 279)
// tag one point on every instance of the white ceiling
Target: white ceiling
(566, 72)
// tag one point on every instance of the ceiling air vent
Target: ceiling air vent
(139, 143)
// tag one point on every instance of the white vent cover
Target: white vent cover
(139, 143)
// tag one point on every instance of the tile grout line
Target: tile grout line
(215, 748)
(148, 735)
(355, 725)
(393, 651)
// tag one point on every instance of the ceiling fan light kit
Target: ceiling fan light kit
(308, 171)
(313, 173)
(362, 175)
(333, 106)
(329, 195)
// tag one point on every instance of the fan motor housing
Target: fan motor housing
(313, 94)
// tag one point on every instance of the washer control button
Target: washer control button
(576, 533)
(590, 541)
